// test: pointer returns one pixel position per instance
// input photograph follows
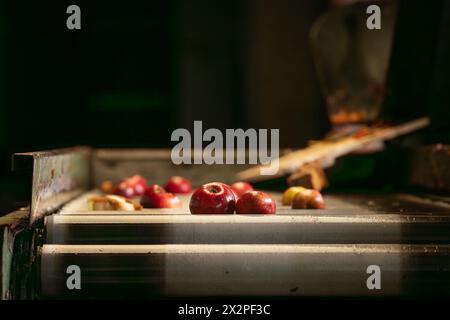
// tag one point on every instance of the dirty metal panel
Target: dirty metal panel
(109, 271)
(247, 229)
(57, 177)
(429, 168)
(6, 260)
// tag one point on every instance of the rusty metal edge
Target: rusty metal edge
(57, 176)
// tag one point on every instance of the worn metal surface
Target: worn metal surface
(395, 218)
(19, 258)
(251, 229)
(148, 271)
(429, 168)
(11, 236)
(57, 177)
(6, 244)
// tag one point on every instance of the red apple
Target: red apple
(213, 198)
(255, 202)
(161, 200)
(308, 199)
(153, 189)
(316, 200)
(124, 190)
(131, 187)
(150, 192)
(240, 188)
(178, 184)
(138, 183)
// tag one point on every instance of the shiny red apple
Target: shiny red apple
(177, 184)
(161, 200)
(124, 190)
(153, 189)
(131, 187)
(150, 192)
(240, 188)
(213, 198)
(256, 202)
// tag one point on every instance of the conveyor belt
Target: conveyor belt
(293, 253)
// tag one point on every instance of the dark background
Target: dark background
(137, 70)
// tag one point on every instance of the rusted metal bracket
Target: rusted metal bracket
(19, 243)
(56, 177)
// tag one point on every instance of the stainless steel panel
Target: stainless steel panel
(147, 271)
(248, 229)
